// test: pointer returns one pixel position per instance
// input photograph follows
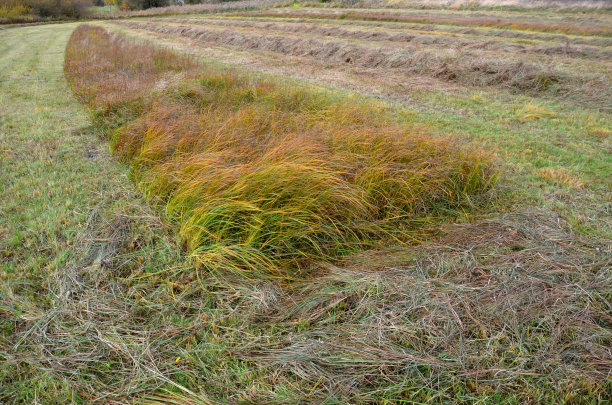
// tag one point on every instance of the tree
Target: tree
(143, 4)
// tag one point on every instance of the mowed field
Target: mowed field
(308, 204)
(532, 52)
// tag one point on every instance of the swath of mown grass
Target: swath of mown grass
(511, 309)
(467, 68)
(260, 176)
(573, 27)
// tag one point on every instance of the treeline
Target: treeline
(145, 4)
(23, 11)
(14, 11)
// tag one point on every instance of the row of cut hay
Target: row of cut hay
(462, 309)
(261, 176)
(597, 28)
(580, 6)
(403, 37)
(206, 7)
(477, 32)
(461, 67)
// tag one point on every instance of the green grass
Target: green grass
(262, 177)
(65, 207)
(556, 152)
(39, 130)
(532, 135)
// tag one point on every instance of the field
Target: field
(308, 203)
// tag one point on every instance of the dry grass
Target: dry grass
(479, 20)
(450, 30)
(561, 176)
(507, 310)
(402, 37)
(261, 176)
(205, 7)
(461, 67)
(480, 4)
(512, 308)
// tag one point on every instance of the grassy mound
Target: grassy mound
(261, 176)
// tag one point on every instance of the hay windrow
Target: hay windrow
(502, 301)
(259, 175)
(401, 37)
(458, 67)
(524, 23)
(478, 32)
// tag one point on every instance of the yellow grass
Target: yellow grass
(262, 176)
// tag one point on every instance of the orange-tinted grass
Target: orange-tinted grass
(260, 175)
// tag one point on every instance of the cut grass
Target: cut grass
(261, 176)
(602, 28)
(478, 32)
(468, 68)
(401, 37)
(71, 225)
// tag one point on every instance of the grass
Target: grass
(98, 303)
(539, 141)
(68, 212)
(407, 34)
(555, 148)
(506, 67)
(475, 20)
(260, 176)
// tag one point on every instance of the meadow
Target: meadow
(316, 203)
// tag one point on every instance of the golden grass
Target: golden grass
(261, 176)
(531, 111)
(562, 176)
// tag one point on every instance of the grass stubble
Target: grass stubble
(511, 309)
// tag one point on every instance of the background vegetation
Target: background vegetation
(13, 11)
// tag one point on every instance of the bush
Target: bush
(143, 4)
(31, 10)
(60, 8)
(10, 9)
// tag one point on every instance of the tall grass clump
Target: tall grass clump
(261, 176)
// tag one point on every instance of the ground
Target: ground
(507, 303)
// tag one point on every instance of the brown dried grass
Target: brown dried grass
(461, 67)
(576, 28)
(401, 37)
